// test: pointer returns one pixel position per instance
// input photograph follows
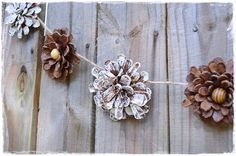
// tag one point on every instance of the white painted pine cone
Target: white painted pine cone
(120, 89)
(22, 16)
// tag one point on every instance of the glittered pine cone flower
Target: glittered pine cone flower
(59, 54)
(210, 91)
(22, 16)
(120, 89)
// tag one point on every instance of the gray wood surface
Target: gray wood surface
(138, 31)
(196, 34)
(51, 116)
(65, 116)
(80, 131)
(20, 89)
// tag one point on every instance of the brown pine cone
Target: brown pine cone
(59, 54)
(210, 90)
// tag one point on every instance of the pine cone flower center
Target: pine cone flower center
(218, 95)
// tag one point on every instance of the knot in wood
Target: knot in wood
(22, 79)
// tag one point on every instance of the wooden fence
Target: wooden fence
(42, 115)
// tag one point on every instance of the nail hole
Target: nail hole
(195, 28)
(155, 33)
(87, 45)
(117, 41)
(31, 50)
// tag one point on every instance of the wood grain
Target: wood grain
(138, 31)
(65, 116)
(196, 34)
(20, 81)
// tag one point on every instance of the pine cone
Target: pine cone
(210, 91)
(22, 17)
(59, 54)
(120, 89)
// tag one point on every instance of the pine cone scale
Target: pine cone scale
(205, 105)
(52, 62)
(217, 116)
(199, 98)
(230, 67)
(224, 111)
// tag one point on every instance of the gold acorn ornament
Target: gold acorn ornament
(59, 54)
(210, 91)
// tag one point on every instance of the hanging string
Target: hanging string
(44, 26)
(91, 62)
(96, 65)
(168, 82)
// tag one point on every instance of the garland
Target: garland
(119, 87)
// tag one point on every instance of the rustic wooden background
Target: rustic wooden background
(42, 115)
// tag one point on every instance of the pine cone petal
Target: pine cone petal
(207, 114)
(217, 116)
(230, 66)
(137, 111)
(224, 111)
(210, 90)
(46, 66)
(205, 105)
(221, 67)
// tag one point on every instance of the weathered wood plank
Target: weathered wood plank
(196, 34)
(138, 31)
(80, 131)
(52, 118)
(20, 82)
(65, 115)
